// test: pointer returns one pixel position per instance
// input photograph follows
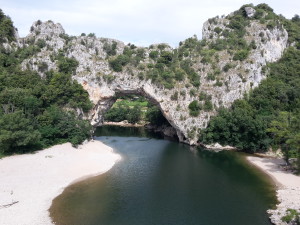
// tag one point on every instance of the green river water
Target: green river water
(161, 182)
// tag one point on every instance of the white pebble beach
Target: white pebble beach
(29, 183)
(288, 185)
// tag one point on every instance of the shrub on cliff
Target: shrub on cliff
(241, 55)
(67, 65)
(268, 116)
(194, 108)
(118, 63)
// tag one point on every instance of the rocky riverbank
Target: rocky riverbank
(288, 187)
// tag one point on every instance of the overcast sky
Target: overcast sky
(142, 22)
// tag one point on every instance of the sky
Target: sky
(141, 22)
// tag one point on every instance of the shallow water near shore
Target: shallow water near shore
(163, 182)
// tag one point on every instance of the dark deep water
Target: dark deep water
(159, 182)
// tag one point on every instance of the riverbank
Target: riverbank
(124, 123)
(288, 186)
(30, 182)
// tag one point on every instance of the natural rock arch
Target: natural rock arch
(235, 77)
(104, 96)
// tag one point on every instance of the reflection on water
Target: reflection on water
(162, 182)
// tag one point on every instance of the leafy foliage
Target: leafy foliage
(292, 216)
(194, 108)
(124, 112)
(110, 49)
(17, 132)
(118, 63)
(135, 109)
(7, 29)
(286, 133)
(268, 116)
(241, 55)
(31, 108)
(67, 65)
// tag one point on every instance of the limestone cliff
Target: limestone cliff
(221, 76)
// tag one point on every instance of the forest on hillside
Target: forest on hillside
(269, 116)
(38, 112)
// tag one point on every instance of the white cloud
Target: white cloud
(137, 21)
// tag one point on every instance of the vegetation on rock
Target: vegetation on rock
(268, 116)
(38, 112)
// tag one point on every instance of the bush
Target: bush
(227, 67)
(179, 75)
(174, 96)
(92, 35)
(110, 49)
(194, 108)
(67, 65)
(41, 43)
(241, 55)
(165, 58)
(218, 30)
(292, 215)
(118, 63)
(208, 106)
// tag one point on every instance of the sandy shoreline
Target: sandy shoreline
(288, 186)
(29, 183)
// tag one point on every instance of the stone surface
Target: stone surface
(288, 198)
(250, 11)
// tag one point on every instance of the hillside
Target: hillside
(190, 84)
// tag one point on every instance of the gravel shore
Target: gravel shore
(29, 183)
(288, 186)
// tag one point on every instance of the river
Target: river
(161, 182)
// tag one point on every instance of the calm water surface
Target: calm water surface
(159, 182)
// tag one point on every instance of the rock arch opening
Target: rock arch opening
(135, 108)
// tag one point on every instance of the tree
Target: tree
(286, 131)
(67, 65)
(17, 133)
(7, 29)
(134, 114)
(58, 126)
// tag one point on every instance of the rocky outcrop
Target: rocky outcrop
(103, 84)
(287, 197)
(250, 11)
(218, 147)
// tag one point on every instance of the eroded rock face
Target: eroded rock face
(102, 83)
(250, 11)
